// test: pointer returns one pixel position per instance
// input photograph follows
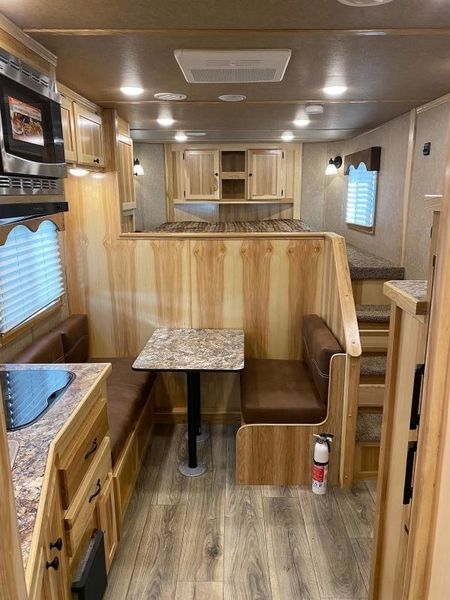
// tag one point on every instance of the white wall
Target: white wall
(150, 187)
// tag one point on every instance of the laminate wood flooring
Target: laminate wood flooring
(208, 539)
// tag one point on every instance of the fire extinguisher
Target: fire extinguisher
(322, 449)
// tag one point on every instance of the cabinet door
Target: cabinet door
(107, 520)
(68, 127)
(201, 168)
(57, 565)
(125, 166)
(265, 181)
(89, 135)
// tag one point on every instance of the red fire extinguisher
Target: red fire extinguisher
(322, 449)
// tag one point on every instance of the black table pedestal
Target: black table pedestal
(191, 468)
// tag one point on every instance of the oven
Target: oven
(31, 141)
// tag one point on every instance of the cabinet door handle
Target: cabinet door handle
(250, 174)
(216, 174)
(415, 404)
(53, 565)
(58, 544)
(97, 160)
(408, 487)
(92, 449)
(97, 491)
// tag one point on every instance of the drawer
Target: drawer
(78, 457)
(81, 509)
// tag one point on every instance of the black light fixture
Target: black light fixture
(137, 168)
(333, 165)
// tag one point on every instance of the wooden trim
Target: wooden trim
(12, 576)
(433, 202)
(32, 225)
(18, 34)
(81, 100)
(408, 181)
(433, 104)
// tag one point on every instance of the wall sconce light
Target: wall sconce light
(333, 165)
(137, 168)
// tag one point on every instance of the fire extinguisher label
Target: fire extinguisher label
(318, 473)
(319, 477)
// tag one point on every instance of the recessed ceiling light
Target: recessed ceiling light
(196, 133)
(165, 121)
(78, 172)
(232, 97)
(131, 90)
(287, 136)
(314, 109)
(98, 175)
(169, 96)
(181, 137)
(334, 90)
(364, 2)
(302, 122)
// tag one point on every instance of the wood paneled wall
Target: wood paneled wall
(132, 284)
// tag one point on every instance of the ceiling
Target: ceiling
(391, 58)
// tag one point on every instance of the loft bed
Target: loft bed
(267, 226)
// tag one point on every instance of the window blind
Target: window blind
(31, 277)
(361, 196)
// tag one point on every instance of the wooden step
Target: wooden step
(371, 395)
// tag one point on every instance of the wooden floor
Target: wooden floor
(208, 539)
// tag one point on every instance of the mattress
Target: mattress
(269, 226)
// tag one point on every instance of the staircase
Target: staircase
(368, 273)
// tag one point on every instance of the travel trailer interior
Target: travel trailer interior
(224, 279)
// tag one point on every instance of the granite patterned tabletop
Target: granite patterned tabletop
(364, 265)
(409, 294)
(417, 288)
(193, 350)
(34, 440)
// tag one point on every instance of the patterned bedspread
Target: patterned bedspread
(272, 225)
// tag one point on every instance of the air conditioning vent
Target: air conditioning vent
(7, 61)
(233, 66)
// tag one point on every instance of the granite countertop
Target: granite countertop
(34, 440)
(193, 350)
(364, 265)
(409, 294)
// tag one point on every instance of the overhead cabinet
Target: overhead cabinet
(201, 174)
(265, 175)
(82, 132)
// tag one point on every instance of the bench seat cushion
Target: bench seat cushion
(279, 391)
(128, 391)
(46, 349)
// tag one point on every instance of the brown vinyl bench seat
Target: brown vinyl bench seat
(127, 390)
(291, 391)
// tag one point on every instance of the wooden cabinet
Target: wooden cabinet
(265, 174)
(89, 136)
(125, 163)
(201, 174)
(107, 520)
(68, 127)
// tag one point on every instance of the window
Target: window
(31, 277)
(361, 198)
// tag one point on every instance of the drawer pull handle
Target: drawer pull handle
(53, 565)
(58, 544)
(97, 491)
(97, 160)
(92, 449)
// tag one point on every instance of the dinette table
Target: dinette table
(193, 351)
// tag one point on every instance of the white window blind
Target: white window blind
(361, 196)
(31, 276)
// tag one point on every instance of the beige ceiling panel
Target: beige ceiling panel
(327, 14)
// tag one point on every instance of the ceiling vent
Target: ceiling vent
(233, 66)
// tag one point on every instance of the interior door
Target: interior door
(201, 169)
(265, 181)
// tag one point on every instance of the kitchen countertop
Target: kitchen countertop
(193, 350)
(34, 441)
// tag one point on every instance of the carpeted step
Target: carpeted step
(364, 265)
(373, 313)
(368, 427)
(374, 366)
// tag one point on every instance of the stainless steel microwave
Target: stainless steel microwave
(31, 141)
